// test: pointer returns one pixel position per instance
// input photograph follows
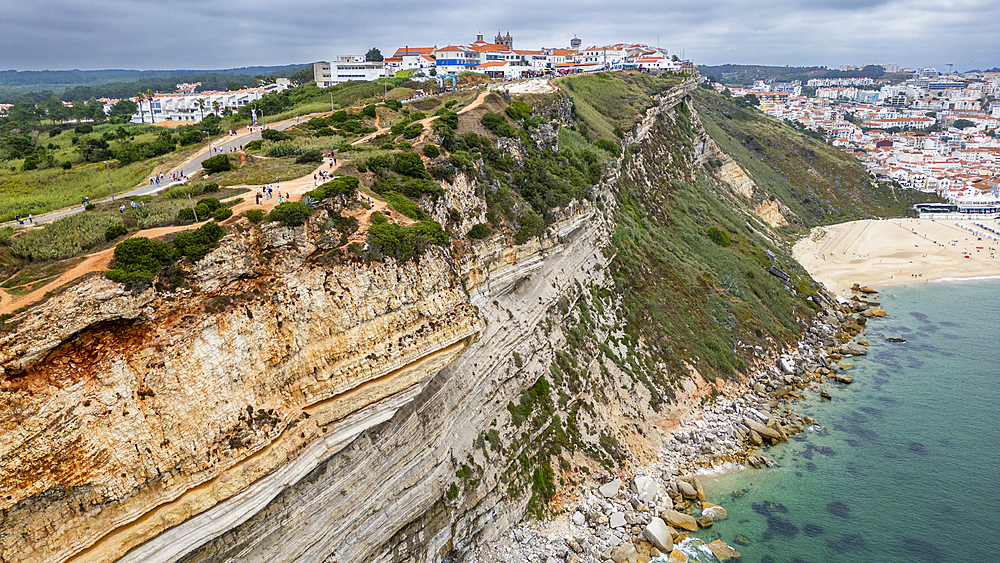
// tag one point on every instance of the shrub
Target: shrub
(222, 214)
(431, 151)
(84, 128)
(362, 168)
(312, 155)
(217, 163)
(274, 135)
(290, 213)
(325, 132)
(90, 206)
(67, 164)
(532, 225)
(115, 231)
(409, 164)
(480, 231)
(719, 237)
(194, 245)
(519, 111)
(278, 151)
(607, 146)
(254, 145)
(139, 259)
(449, 119)
(413, 130)
(368, 111)
(54, 132)
(405, 243)
(405, 206)
(254, 215)
(497, 123)
(338, 186)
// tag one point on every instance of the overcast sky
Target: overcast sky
(203, 34)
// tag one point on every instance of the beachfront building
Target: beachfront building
(405, 59)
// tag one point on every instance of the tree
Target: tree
(962, 124)
(374, 55)
(217, 163)
(150, 97)
(140, 96)
(123, 108)
(215, 106)
(234, 86)
(201, 106)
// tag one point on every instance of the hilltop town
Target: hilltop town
(933, 132)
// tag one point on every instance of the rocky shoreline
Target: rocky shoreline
(650, 514)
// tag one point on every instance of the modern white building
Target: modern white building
(346, 68)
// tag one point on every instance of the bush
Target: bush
(532, 225)
(325, 132)
(90, 206)
(254, 145)
(479, 231)
(139, 259)
(497, 124)
(448, 118)
(719, 237)
(338, 186)
(115, 231)
(368, 111)
(413, 130)
(431, 151)
(607, 146)
(84, 128)
(278, 151)
(217, 163)
(255, 216)
(405, 243)
(312, 155)
(274, 135)
(222, 214)
(394, 105)
(290, 213)
(409, 164)
(67, 164)
(194, 245)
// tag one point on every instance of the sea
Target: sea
(904, 465)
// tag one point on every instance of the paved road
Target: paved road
(223, 144)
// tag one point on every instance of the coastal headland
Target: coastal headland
(892, 252)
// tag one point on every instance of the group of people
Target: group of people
(266, 191)
(175, 176)
(20, 220)
(121, 208)
(321, 175)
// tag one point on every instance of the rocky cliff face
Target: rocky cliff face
(278, 406)
(127, 413)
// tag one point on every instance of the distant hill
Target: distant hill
(115, 83)
(744, 75)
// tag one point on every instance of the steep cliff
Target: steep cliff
(269, 403)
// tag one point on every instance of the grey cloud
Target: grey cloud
(60, 34)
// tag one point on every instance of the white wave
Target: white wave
(971, 278)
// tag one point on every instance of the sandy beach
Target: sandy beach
(892, 252)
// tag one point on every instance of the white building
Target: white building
(193, 107)
(346, 68)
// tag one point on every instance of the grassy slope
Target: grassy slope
(607, 103)
(819, 182)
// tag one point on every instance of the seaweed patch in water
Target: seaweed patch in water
(838, 508)
(917, 448)
(813, 530)
(847, 543)
(810, 466)
(853, 443)
(767, 508)
(919, 550)
(780, 527)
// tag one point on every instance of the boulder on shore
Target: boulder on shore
(761, 429)
(679, 520)
(715, 511)
(698, 488)
(686, 490)
(724, 552)
(659, 534)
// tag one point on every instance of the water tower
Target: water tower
(575, 43)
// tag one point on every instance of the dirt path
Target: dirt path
(476, 103)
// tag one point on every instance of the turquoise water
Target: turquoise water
(906, 465)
